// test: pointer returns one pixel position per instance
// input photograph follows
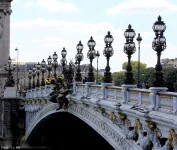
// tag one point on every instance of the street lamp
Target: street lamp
(55, 63)
(97, 55)
(29, 81)
(33, 74)
(139, 39)
(159, 44)
(79, 57)
(49, 65)
(10, 68)
(17, 67)
(43, 65)
(38, 66)
(63, 60)
(108, 52)
(70, 74)
(91, 55)
(129, 49)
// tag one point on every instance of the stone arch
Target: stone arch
(102, 125)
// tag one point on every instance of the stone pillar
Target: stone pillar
(75, 87)
(125, 93)
(104, 90)
(154, 97)
(88, 88)
(5, 11)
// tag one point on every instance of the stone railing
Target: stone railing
(145, 98)
(136, 111)
(149, 114)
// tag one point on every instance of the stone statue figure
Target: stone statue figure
(138, 129)
(171, 140)
(154, 133)
(145, 142)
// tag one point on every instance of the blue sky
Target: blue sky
(40, 27)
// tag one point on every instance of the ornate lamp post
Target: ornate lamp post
(33, 74)
(38, 66)
(63, 60)
(29, 81)
(97, 55)
(108, 52)
(49, 65)
(129, 49)
(43, 65)
(159, 44)
(17, 50)
(79, 57)
(10, 68)
(139, 39)
(91, 55)
(55, 63)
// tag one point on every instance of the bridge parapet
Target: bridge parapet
(141, 115)
(156, 109)
(145, 98)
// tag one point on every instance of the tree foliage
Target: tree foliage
(134, 65)
(118, 78)
(170, 78)
(147, 75)
(100, 76)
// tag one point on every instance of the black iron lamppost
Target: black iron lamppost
(33, 74)
(97, 55)
(17, 66)
(29, 81)
(139, 39)
(10, 68)
(79, 57)
(49, 65)
(159, 44)
(91, 55)
(70, 74)
(108, 52)
(38, 66)
(43, 65)
(129, 49)
(63, 60)
(55, 63)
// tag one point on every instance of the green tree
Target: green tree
(148, 76)
(118, 78)
(170, 77)
(100, 76)
(134, 65)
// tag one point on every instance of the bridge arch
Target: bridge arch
(101, 125)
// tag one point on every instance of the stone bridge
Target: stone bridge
(126, 117)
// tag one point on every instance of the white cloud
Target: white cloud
(29, 3)
(143, 6)
(53, 5)
(59, 34)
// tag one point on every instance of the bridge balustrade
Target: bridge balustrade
(124, 106)
(163, 101)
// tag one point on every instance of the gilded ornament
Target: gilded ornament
(112, 117)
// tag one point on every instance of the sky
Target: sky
(41, 27)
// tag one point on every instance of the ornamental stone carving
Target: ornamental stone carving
(154, 133)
